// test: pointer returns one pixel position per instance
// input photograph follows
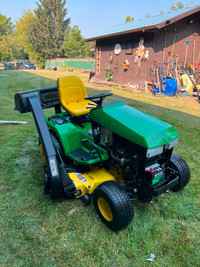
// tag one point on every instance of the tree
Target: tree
(10, 48)
(74, 46)
(6, 26)
(7, 43)
(49, 28)
(176, 5)
(128, 19)
(24, 27)
(6, 48)
(91, 48)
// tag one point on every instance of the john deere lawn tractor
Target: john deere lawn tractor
(104, 152)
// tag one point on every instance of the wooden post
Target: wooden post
(194, 51)
(186, 50)
(173, 47)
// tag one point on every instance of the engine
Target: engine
(132, 159)
(123, 153)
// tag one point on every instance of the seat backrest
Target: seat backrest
(71, 89)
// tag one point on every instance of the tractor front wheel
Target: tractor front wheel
(113, 205)
(180, 166)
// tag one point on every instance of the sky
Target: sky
(93, 16)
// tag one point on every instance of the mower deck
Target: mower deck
(87, 182)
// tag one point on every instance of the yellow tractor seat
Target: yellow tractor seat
(72, 92)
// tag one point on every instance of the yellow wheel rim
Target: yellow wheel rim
(104, 209)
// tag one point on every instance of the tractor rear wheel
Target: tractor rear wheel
(113, 205)
(180, 166)
(59, 150)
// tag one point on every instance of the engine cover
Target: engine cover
(134, 125)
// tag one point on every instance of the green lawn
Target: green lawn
(38, 231)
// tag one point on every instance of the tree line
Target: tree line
(174, 6)
(42, 34)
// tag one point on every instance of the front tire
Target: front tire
(181, 167)
(113, 205)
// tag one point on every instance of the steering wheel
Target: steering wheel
(100, 96)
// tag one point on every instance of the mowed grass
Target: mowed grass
(38, 231)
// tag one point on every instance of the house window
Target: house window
(129, 48)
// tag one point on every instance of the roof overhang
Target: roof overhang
(177, 18)
(143, 29)
(147, 28)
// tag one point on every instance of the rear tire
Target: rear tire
(179, 164)
(58, 148)
(113, 205)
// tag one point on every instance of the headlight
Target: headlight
(154, 151)
(171, 144)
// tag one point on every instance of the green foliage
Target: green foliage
(6, 48)
(10, 49)
(176, 5)
(6, 26)
(41, 33)
(179, 5)
(45, 33)
(18, 50)
(7, 42)
(91, 48)
(74, 46)
(49, 28)
(24, 26)
(109, 74)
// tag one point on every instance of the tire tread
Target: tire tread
(120, 203)
(183, 169)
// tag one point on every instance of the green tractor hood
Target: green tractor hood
(134, 125)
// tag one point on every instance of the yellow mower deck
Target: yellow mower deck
(87, 182)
